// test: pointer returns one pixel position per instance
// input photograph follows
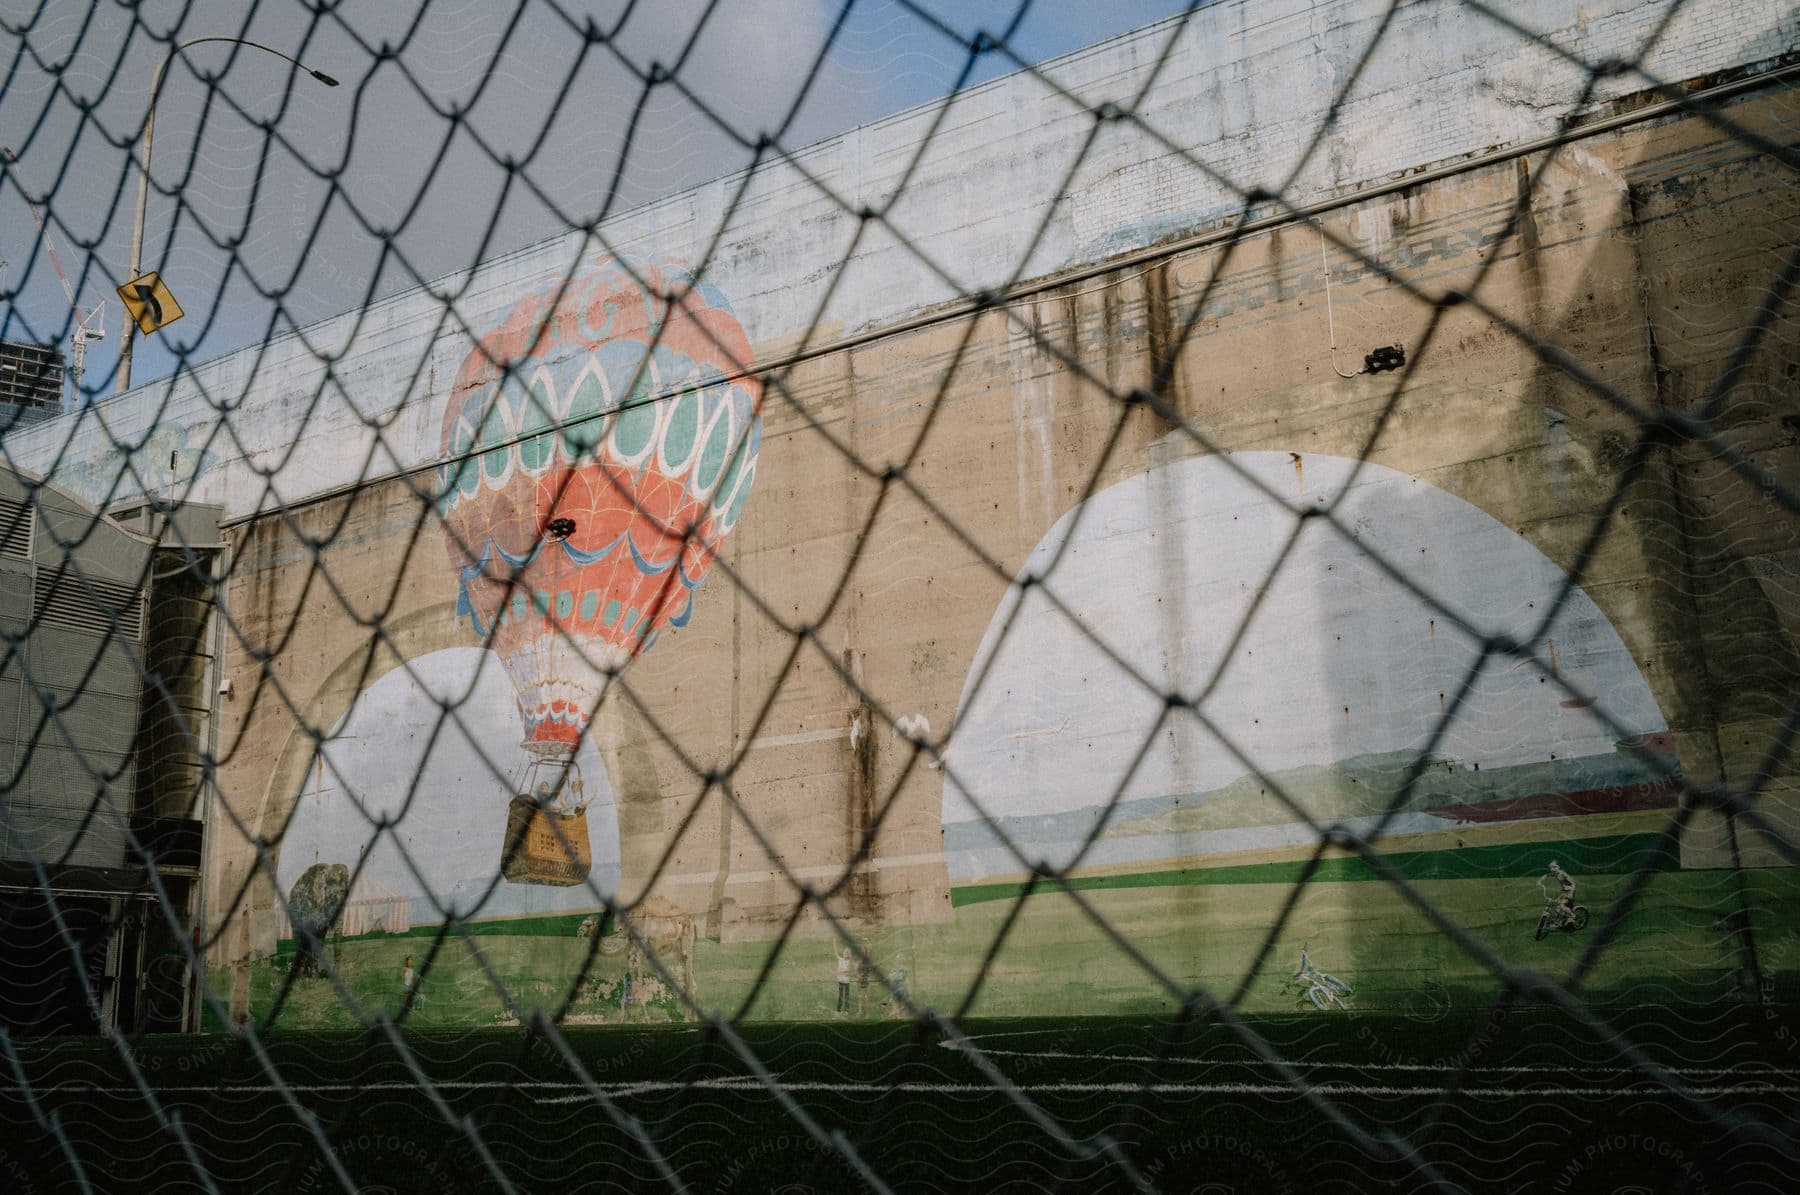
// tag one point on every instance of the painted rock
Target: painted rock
(317, 898)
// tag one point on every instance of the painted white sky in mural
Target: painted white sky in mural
(454, 825)
(1340, 660)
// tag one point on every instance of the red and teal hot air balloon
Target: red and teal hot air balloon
(586, 489)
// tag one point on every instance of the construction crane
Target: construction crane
(90, 325)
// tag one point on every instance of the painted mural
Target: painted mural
(1324, 677)
(114, 467)
(1516, 795)
(444, 780)
(597, 451)
(592, 450)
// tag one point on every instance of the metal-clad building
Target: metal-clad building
(83, 712)
(72, 612)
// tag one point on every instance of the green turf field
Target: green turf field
(1529, 1099)
(1675, 945)
(1078, 1070)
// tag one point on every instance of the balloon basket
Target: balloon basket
(544, 847)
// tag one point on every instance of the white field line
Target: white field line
(1326, 1089)
(1437, 1067)
(573, 1092)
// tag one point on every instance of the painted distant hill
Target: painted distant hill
(1639, 774)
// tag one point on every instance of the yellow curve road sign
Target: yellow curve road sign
(148, 301)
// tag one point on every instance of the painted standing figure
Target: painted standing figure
(410, 996)
(628, 1005)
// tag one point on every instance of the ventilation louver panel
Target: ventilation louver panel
(87, 604)
(16, 522)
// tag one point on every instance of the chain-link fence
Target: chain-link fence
(1248, 636)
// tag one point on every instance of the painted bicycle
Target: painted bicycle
(1558, 917)
(1561, 914)
(1322, 990)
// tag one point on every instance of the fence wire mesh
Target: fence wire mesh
(1180, 465)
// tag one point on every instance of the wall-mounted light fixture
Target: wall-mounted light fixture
(1387, 357)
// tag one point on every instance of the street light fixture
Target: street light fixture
(122, 381)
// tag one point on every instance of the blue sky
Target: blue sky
(407, 177)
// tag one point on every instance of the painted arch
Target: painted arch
(1342, 674)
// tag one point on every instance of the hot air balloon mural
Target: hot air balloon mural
(585, 492)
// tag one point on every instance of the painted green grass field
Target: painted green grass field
(1059, 958)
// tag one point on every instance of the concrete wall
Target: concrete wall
(909, 470)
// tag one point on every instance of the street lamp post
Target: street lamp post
(122, 380)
